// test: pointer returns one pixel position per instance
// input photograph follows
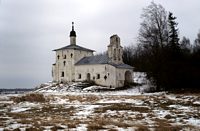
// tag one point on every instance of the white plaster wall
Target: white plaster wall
(115, 76)
(54, 72)
(120, 76)
(102, 69)
(68, 68)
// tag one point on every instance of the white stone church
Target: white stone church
(75, 63)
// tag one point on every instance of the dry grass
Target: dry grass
(142, 128)
(164, 125)
(101, 122)
(34, 129)
(82, 98)
(17, 115)
(168, 128)
(71, 125)
(112, 130)
(95, 127)
(121, 107)
(48, 115)
(139, 117)
(55, 128)
(33, 97)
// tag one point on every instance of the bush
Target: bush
(33, 97)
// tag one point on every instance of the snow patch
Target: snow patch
(140, 77)
(77, 87)
(133, 101)
(194, 121)
(19, 109)
(23, 106)
(86, 110)
(161, 113)
(81, 127)
(93, 88)
(196, 102)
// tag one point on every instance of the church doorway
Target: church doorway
(88, 77)
(128, 78)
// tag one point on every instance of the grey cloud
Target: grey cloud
(30, 30)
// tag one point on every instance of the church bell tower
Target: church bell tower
(115, 50)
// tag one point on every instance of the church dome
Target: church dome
(72, 33)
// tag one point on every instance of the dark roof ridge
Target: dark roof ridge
(77, 47)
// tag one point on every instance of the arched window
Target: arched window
(58, 57)
(79, 76)
(62, 74)
(64, 63)
(64, 57)
(71, 55)
(98, 76)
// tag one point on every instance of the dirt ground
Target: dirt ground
(96, 111)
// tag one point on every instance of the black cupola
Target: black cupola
(72, 33)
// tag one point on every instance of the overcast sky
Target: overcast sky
(31, 29)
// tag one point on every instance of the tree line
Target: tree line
(170, 63)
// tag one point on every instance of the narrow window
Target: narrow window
(64, 63)
(79, 76)
(98, 76)
(105, 77)
(71, 55)
(64, 57)
(114, 54)
(62, 74)
(119, 53)
(116, 39)
(58, 57)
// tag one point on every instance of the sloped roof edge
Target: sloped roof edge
(75, 47)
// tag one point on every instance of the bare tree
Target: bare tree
(185, 44)
(153, 29)
(128, 53)
(160, 54)
(196, 47)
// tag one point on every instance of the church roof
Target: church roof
(75, 47)
(98, 59)
(101, 59)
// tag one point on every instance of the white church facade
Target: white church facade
(75, 63)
